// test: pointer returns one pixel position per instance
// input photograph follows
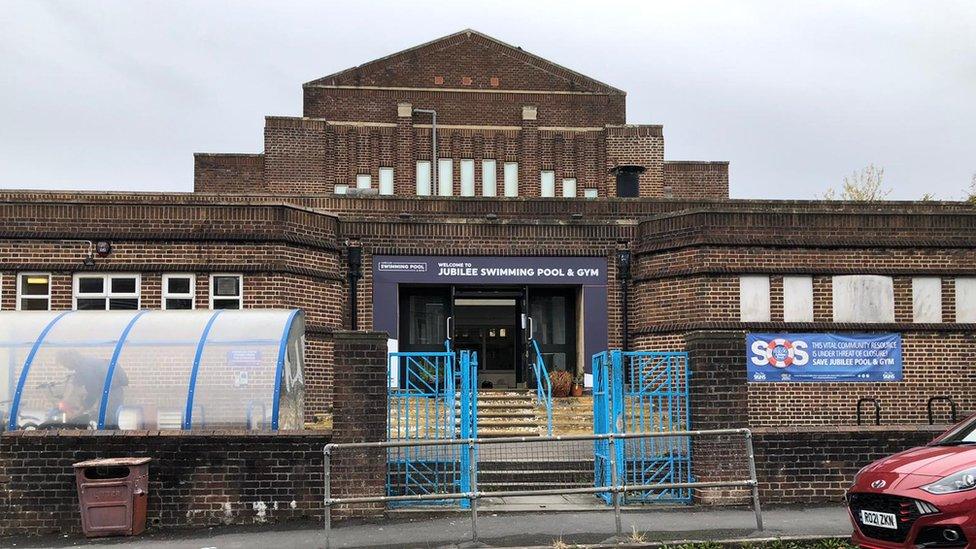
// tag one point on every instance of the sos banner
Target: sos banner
(823, 357)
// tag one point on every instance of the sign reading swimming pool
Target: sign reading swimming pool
(823, 357)
(486, 270)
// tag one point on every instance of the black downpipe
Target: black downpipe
(623, 272)
(355, 273)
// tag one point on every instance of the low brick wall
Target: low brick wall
(195, 478)
(817, 464)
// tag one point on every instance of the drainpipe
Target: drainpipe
(623, 273)
(434, 191)
(355, 259)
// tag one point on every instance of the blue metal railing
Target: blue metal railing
(543, 385)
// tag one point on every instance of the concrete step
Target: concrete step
(498, 432)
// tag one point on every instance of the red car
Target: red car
(923, 497)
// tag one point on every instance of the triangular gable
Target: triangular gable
(466, 59)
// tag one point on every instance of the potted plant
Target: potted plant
(561, 381)
(577, 389)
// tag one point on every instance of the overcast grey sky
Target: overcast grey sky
(119, 94)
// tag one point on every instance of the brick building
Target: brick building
(519, 201)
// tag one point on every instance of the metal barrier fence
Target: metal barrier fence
(479, 450)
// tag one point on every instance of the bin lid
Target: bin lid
(113, 462)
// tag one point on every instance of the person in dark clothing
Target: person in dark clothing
(84, 386)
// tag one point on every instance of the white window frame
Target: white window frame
(341, 189)
(364, 181)
(423, 175)
(386, 181)
(569, 187)
(107, 294)
(445, 176)
(192, 296)
(547, 184)
(591, 193)
(489, 177)
(240, 286)
(510, 180)
(467, 177)
(19, 296)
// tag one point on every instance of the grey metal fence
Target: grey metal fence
(539, 451)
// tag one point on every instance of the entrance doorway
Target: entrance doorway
(497, 322)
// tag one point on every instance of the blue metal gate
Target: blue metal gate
(642, 392)
(430, 396)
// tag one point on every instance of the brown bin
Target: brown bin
(112, 494)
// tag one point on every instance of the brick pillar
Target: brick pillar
(359, 415)
(529, 182)
(405, 169)
(719, 400)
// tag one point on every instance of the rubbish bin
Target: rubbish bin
(112, 494)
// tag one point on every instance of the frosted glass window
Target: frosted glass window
(227, 291)
(966, 299)
(590, 193)
(547, 181)
(798, 299)
(927, 299)
(467, 178)
(423, 178)
(511, 179)
(445, 177)
(864, 298)
(489, 186)
(754, 298)
(364, 181)
(386, 181)
(341, 189)
(569, 188)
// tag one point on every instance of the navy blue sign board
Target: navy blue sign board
(823, 357)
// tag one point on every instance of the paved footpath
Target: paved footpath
(501, 529)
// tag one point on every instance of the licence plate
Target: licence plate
(881, 520)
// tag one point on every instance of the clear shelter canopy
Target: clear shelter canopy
(152, 370)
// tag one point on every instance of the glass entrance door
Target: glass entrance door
(554, 326)
(486, 320)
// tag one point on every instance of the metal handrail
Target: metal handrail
(952, 405)
(543, 389)
(877, 409)
(617, 486)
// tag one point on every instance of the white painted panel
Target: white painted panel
(591, 193)
(754, 298)
(489, 185)
(547, 182)
(386, 181)
(423, 178)
(467, 178)
(569, 188)
(445, 177)
(966, 299)
(798, 299)
(364, 181)
(927, 299)
(863, 298)
(341, 189)
(511, 179)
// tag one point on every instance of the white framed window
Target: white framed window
(179, 291)
(863, 298)
(226, 291)
(489, 179)
(364, 181)
(511, 179)
(106, 292)
(467, 177)
(445, 177)
(966, 299)
(547, 183)
(754, 298)
(386, 181)
(591, 193)
(33, 291)
(423, 178)
(798, 298)
(569, 187)
(927, 299)
(341, 189)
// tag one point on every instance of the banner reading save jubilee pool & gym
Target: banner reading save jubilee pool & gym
(823, 357)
